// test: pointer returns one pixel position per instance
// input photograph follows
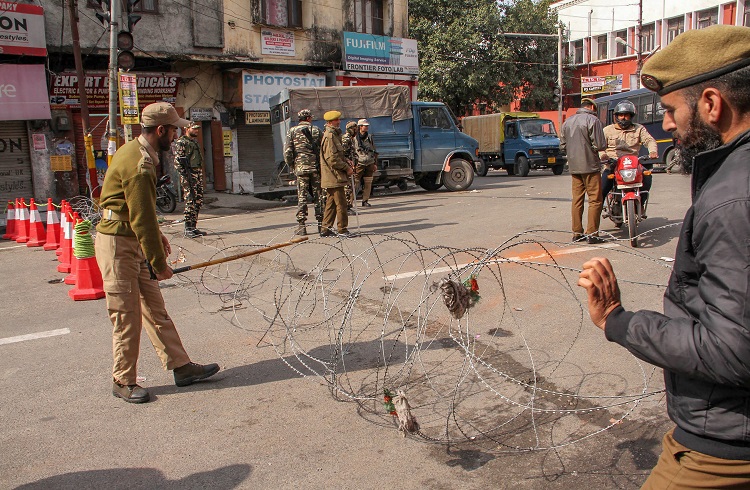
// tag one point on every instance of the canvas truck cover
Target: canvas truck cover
(489, 129)
(353, 102)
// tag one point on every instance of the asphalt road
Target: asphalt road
(522, 392)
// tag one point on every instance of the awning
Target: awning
(23, 93)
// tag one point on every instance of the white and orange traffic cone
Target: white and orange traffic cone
(71, 278)
(22, 222)
(66, 246)
(53, 227)
(37, 235)
(63, 221)
(10, 222)
(89, 284)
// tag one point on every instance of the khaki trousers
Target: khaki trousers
(681, 468)
(335, 210)
(133, 301)
(587, 184)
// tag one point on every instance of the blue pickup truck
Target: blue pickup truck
(515, 141)
(414, 140)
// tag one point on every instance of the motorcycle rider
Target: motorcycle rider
(625, 137)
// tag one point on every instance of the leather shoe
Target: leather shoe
(579, 238)
(346, 234)
(326, 234)
(366, 204)
(192, 372)
(192, 233)
(593, 240)
(130, 393)
(200, 232)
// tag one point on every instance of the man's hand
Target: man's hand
(166, 245)
(349, 171)
(653, 154)
(165, 274)
(600, 283)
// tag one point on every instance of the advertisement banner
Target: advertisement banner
(258, 87)
(280, 43)
(601, 85)
(152, 87)
(22, 29)
(380, 54)
(23, 93)
(129, 99)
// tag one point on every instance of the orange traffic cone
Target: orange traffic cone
(63, 221)
(89, 284)
(22, 223)
(71, 278)
(10, 222)
(37, 236)
(67, 246)
(53, 227)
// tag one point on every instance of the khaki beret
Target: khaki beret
(332, 115)
(161, 114)
(697, 56)
(589, 100)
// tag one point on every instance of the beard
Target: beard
(698, 137)
(165, 144)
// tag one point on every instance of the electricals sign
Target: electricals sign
(152, 87)
(380, 54)
(22, 29)
(128, 98)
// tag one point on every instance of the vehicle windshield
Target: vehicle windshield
(537, 127)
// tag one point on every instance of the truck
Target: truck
(515, 141)
(414, 140)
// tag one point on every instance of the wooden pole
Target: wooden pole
(238, 256)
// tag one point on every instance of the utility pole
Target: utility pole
(114, 16)
(639, 45)
(89, 150)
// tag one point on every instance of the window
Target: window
(601, 47)
(621, 49)
(675, 27)
(707, 18)
(647, 38)
(144, 6)
(746, 21)
(368, 16)
(659, 112)
(434, 117)
(283, 13)
(645, 105)
(578, 52)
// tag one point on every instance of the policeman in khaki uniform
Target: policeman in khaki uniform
(335, 174)
(189, 163)
(301, 153)
(129, 246)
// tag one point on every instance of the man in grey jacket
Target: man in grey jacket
(702, 341)
(582, 137)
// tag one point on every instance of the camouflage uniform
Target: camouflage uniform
(302, 155)
(346, 142)
(189, 164)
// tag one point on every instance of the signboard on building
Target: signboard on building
(280, 43)
(23, 92)
(201, 114)
(128, 99)
(152, 87)
(601, 85)
(227, 135)
(22, 29)
(258, 87)
(258, 118)
(380, 54)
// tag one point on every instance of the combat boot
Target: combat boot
(301, 230)
(192, 372)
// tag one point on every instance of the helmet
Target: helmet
(304, 114)
(625, 107)
(351, 125)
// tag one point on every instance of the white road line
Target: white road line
(32, 336)
(406, 275)
(14, 246)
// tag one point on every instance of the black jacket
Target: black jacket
(703, 339)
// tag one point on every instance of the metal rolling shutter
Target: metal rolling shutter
(255, 152)
(15, 163)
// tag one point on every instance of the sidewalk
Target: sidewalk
(249, 202)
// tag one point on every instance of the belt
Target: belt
(112, 216)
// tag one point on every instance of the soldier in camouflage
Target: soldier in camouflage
(346, 142)
(302, 153)
(189, 164)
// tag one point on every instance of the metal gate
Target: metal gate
(255, 152)
(15, 163)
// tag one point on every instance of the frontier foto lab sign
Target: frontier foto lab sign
(380, 54)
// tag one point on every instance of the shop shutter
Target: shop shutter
(15, 163)
(255, 152)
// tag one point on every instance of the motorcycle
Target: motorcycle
(166, 200)
(626, 202)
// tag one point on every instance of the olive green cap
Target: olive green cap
(332, 116)
(589, 100)
(697, 56)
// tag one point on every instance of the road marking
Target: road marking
(32, 336)
(518, 258)
(12, 247)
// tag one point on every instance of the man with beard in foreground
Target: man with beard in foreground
(702, 341)
(129, 248)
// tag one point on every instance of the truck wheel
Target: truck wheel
(402, 185)
(511, 169)
(481, 168)
(427, 181)
(523, 166)
(558, 169)
(460, 176)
